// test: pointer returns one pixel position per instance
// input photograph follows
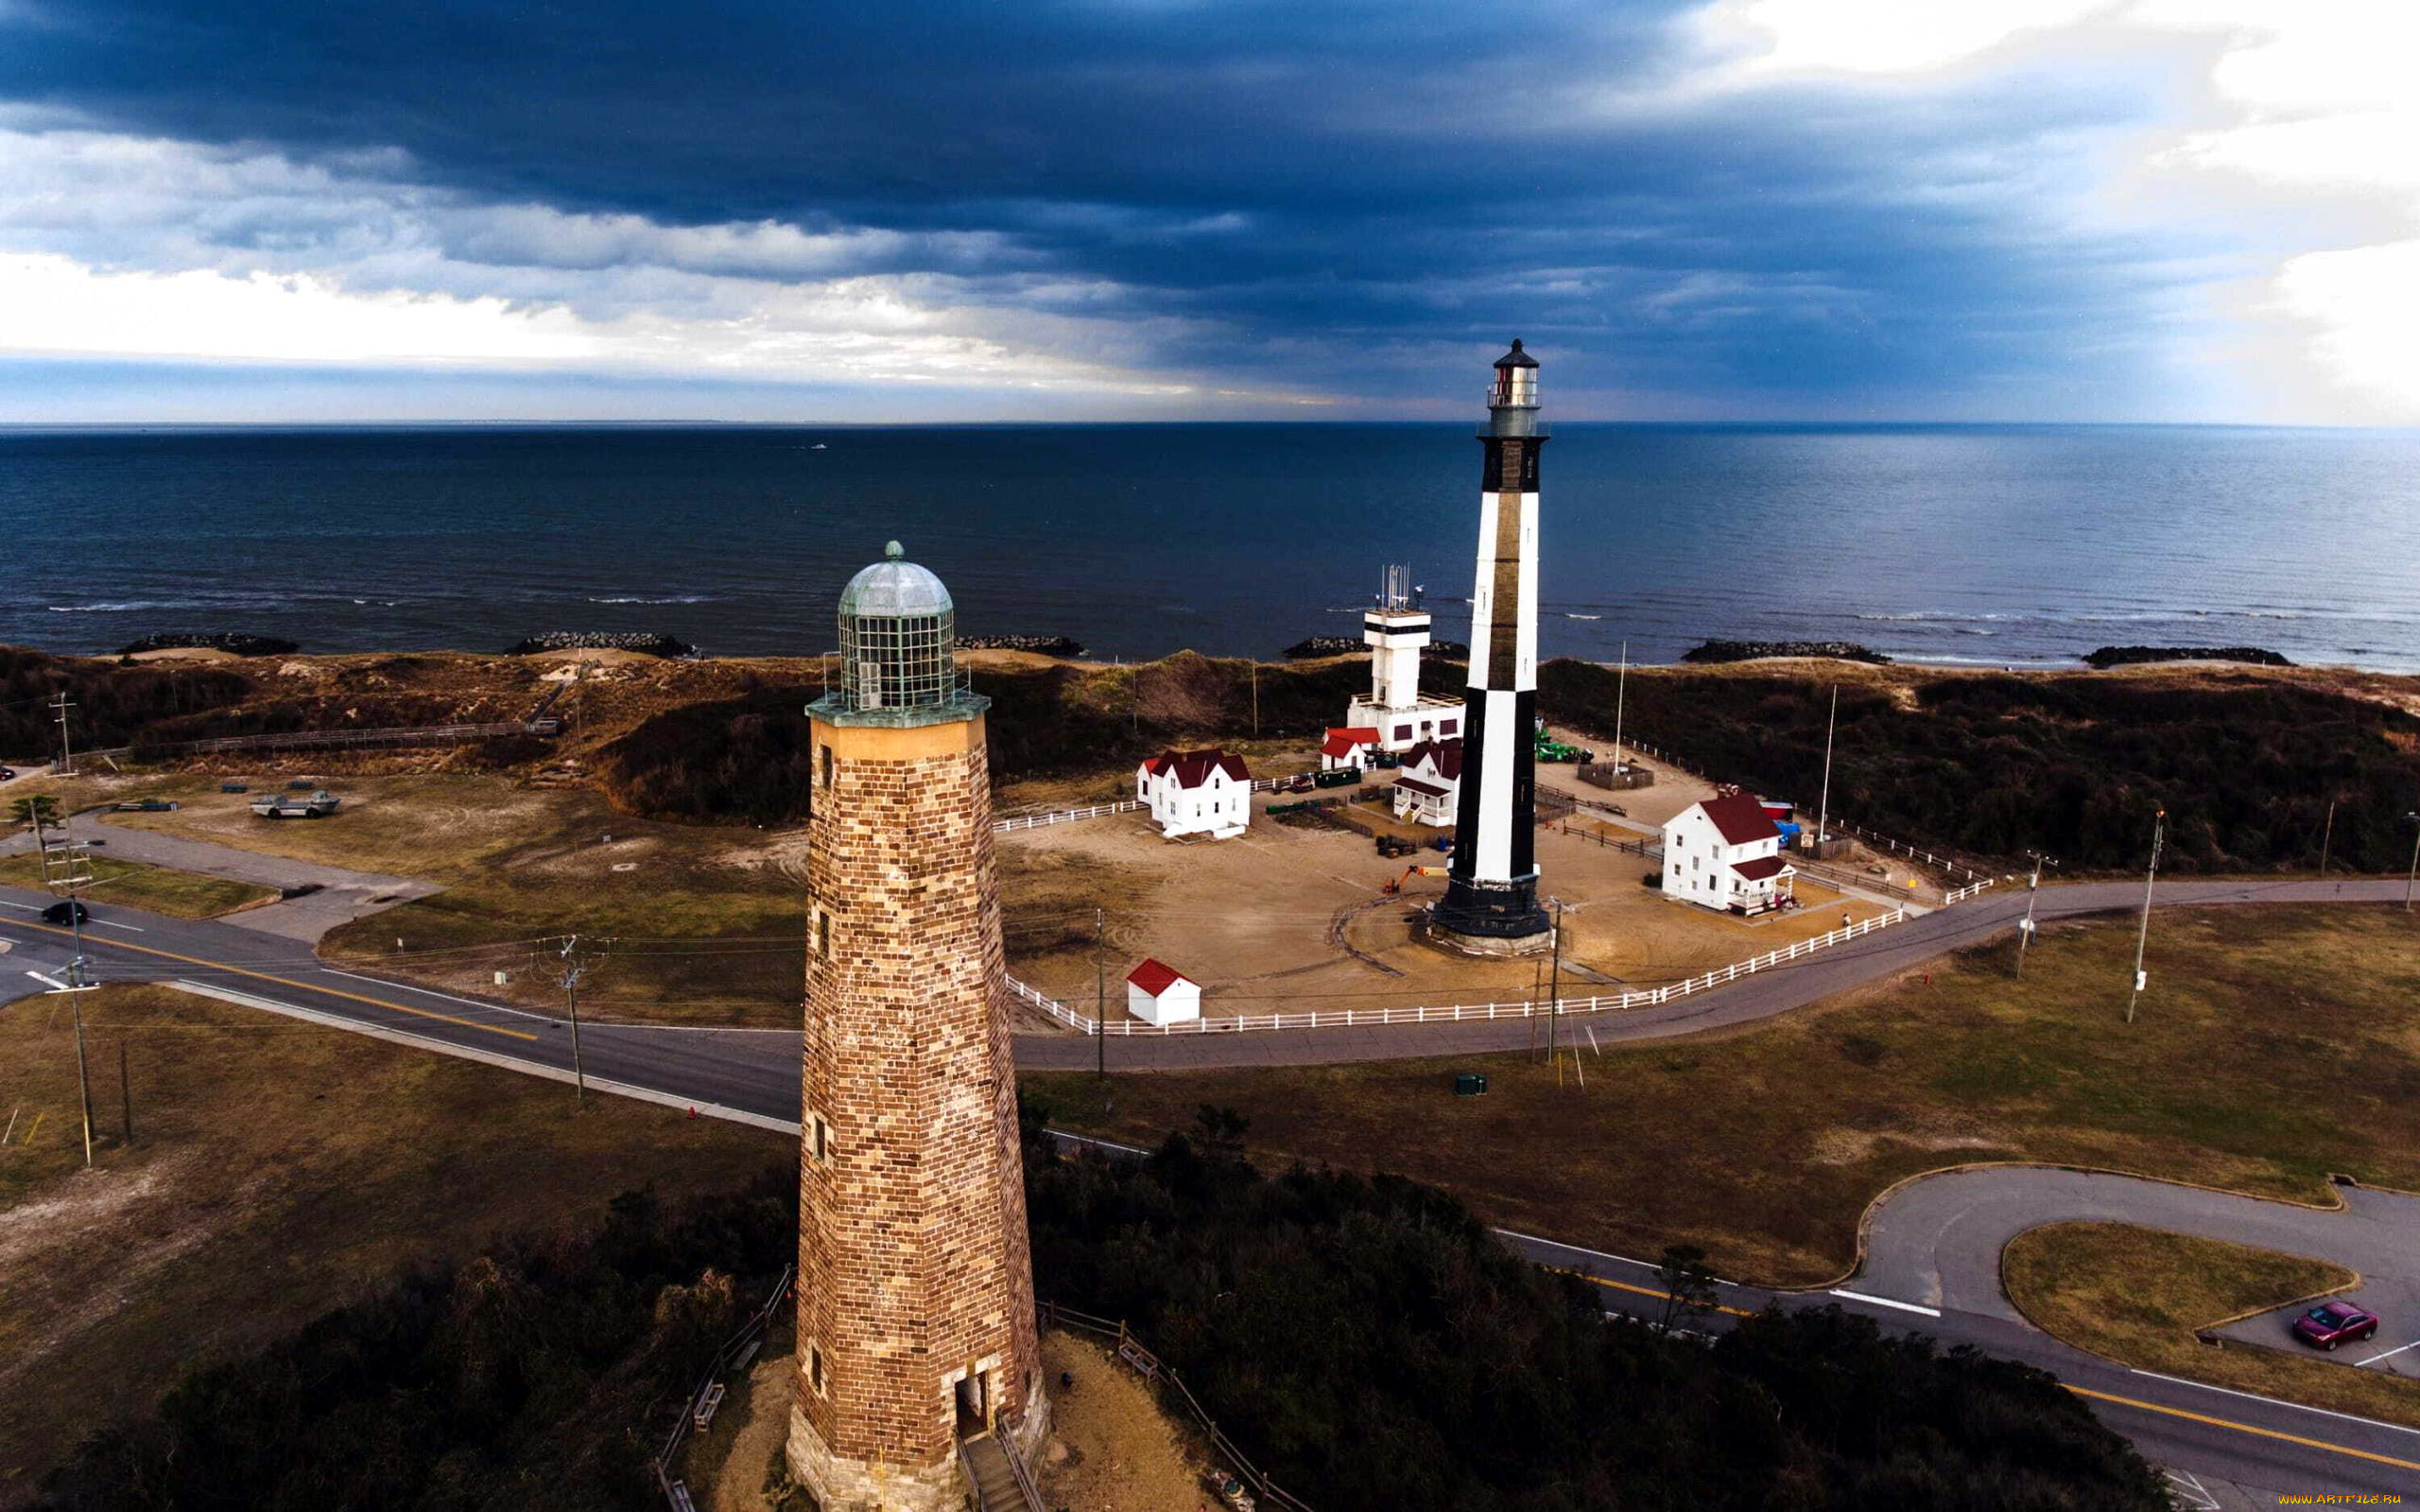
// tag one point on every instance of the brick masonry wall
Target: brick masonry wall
(913, 1262)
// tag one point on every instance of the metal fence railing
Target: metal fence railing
(676, 1494)
(1458, 1012)
(1132, 1353)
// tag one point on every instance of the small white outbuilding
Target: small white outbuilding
(1159, 994)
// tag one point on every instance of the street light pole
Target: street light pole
(2033, 891)
(2143, 936)
(1100, 997)
(1823, 808)
(1554, 1002)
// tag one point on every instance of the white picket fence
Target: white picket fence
(1457, 1012)
(1035, 822)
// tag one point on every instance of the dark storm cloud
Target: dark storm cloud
(1339, 189)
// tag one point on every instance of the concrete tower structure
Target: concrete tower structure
(915, 1289)
(1395, 628)
(1491, 902)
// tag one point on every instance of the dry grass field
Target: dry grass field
(160, 889)
(2277, 1046)
(277, 1170)
(2137, 1294)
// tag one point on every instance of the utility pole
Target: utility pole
(60, 704)
(575, 967)
(1621, 688)
(67, 870)
(2032, 890)
(2143, 938)
(1255, 698)
(1100, 995)
(2413, 819)
(1823, 808)
(2325, 838)
(1554, 1000)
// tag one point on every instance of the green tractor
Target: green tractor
(1547, 748)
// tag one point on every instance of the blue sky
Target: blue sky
(2146, 210)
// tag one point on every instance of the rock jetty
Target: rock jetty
(231, 641)
(2120, 656)
(1347, 645)
(1755, 651)
(1038, 644)
(642, 640)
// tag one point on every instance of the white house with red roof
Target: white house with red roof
(1159, 994)
(1431, 782)
(1196, 792)
(1725, 852)
(1347, 746)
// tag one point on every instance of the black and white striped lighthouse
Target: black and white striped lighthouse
(1491, 902)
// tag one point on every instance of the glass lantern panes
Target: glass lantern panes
(897, 663)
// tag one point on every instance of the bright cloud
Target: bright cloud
(2309, 119)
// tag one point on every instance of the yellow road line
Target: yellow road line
(2245, 1428)
(1643, 1291)
(306, 986)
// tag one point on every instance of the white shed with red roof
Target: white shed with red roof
(1347, 746)
(1725, 852)
(1196, 792)
(1159, 994)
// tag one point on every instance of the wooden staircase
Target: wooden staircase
(998, 1486)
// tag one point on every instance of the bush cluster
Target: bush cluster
(541, 1374)
(114, 705)
(2074, 765)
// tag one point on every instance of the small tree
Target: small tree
(34, 813)
(1688, 1285)
(1222, 1129)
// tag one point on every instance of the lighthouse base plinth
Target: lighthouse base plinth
(1478, 919)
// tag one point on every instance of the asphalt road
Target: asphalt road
(751, 1075)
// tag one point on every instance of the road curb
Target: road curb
(1865, 1219)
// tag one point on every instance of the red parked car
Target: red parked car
(2330, 1324)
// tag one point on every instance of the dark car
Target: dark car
(66, 911)
(2330, 1324)
(8, 774)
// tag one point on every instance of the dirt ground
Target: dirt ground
(1111, 1447)
(746, 1441)
(1287, 918)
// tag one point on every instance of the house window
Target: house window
(824, 760)
(1448, 727)
(823, 935)
(1403, 731)
(819, 1136)
(814, 1368)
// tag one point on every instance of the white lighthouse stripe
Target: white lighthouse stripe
(1483, 593)
(1493, 862)
(1525, 676)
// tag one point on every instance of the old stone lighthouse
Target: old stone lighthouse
(915, 1288)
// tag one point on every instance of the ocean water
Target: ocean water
(1992, 545)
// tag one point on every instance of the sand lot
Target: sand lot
(1287, 919)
